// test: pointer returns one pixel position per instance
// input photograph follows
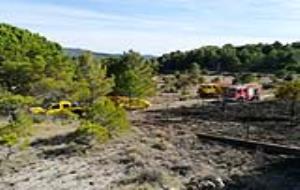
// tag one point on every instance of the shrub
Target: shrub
(9, 102)
(169, 85)
(245, 78)
(9, 139)
(195, 73)
(289, 77)
(281, 74)
(289, 91)
(89, 129)
(17, 131)
(201, 80)
(205, 72)
(168, 88)
(105, 113)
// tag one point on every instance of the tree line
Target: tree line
(263, 58)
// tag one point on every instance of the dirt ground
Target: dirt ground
(162, 152)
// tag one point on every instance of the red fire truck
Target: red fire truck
(246, 92)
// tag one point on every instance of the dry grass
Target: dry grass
(50, 129)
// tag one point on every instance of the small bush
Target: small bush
(245, 78)
(10, 102)
(103, 120)
(17, 131)
(281, 74)
(201, 80)
(168, 88)
(105, 113)
(9, 139)
(205, 72)
(289, 77)
(89, 129)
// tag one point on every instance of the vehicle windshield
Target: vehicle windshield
(66, 105)
(55, 106)
(207, 86)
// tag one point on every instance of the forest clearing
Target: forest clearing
(207, 119)
(161, 152)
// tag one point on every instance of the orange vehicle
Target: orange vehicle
(211, 90)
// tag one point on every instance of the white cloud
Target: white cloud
(41, 14)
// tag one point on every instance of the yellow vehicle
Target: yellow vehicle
(131, 103)
(210, 90)
(57, 108)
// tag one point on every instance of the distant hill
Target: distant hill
(75, 52)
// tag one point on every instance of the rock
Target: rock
(205, 183)
(91, 183)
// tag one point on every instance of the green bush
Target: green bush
(281, 74)
(245, 78)
(201, 80)
(105, 113)
(17, 131)
(9, 102)
(289, 91)
(9, 139)
(89, 129)
(103, 120)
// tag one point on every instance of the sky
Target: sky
(155, 26)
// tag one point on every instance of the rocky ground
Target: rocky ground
(161, 152)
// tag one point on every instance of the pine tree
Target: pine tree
(134, 76)
(195, 74)
(91, 79)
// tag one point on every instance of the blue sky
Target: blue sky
(155, 26)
